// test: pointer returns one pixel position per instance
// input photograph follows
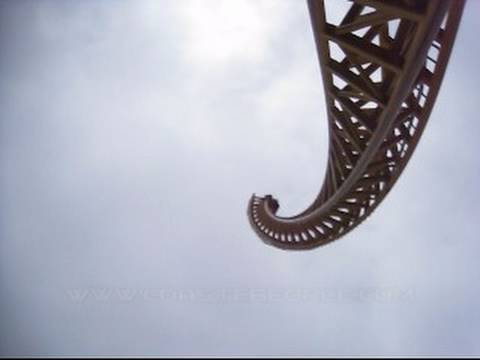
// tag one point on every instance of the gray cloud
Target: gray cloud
(128, 153)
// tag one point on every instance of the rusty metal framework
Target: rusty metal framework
(382, 66)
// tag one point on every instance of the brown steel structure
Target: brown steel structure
(382, 67)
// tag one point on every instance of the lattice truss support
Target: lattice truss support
(382, 66)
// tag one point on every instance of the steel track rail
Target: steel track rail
(380, 89)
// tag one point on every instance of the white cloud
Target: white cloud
(132, 134)
(219, 32)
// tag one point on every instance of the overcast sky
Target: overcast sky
(132, 134)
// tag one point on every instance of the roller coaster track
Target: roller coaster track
(382, 67)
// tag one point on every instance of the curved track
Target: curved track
(382, 67)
